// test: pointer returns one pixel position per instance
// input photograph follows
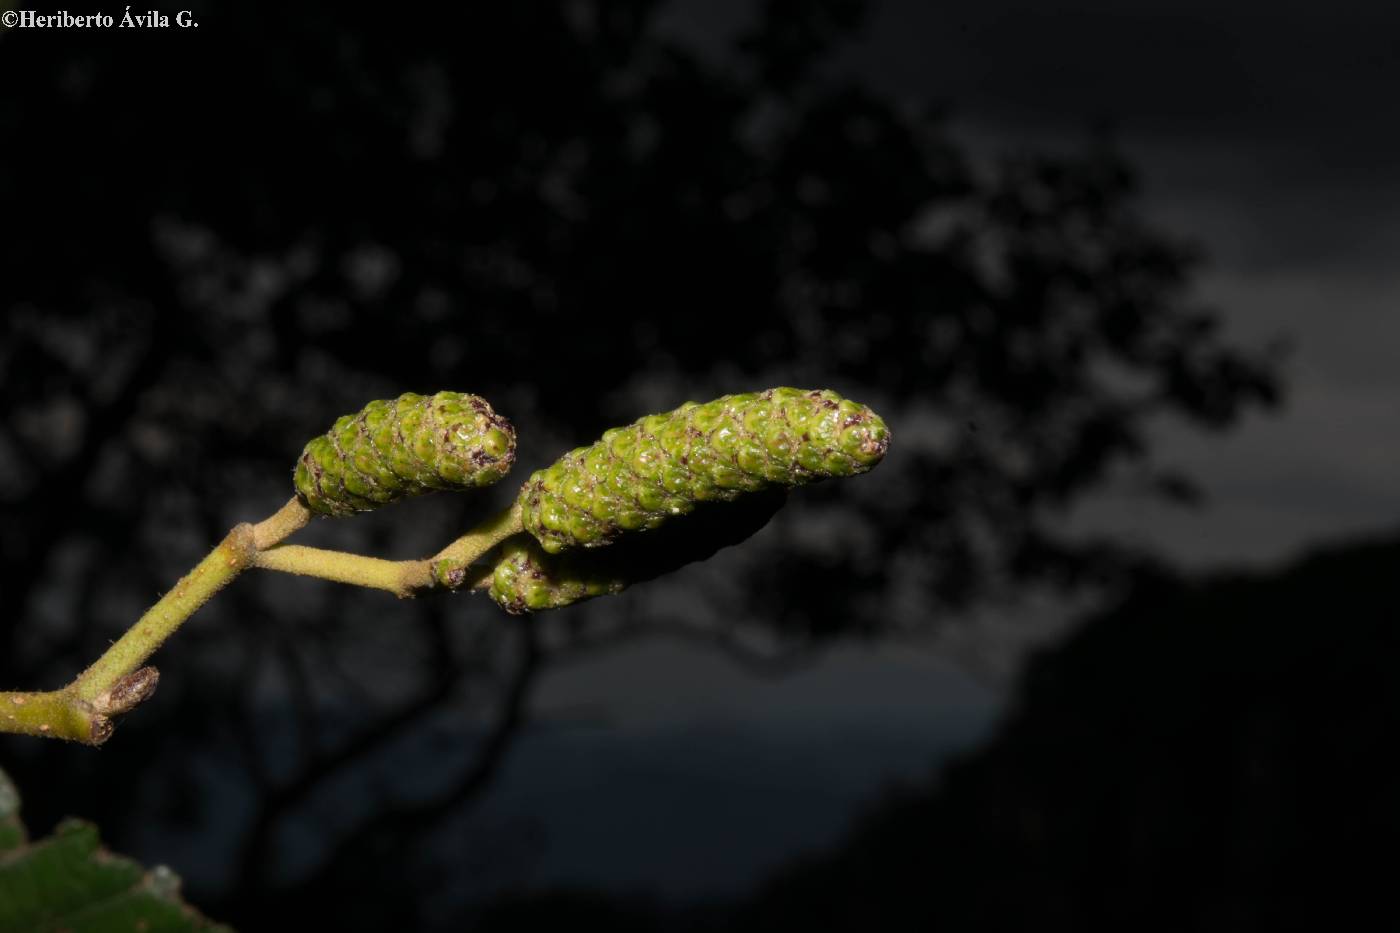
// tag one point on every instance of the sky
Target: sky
(1263, 133)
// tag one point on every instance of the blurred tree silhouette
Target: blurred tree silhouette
(217, 240)
(1205, 756)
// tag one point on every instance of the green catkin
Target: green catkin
(526, 579)
(637, 477)
(390, 450)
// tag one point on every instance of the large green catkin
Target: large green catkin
(637, 477)
(390, 450)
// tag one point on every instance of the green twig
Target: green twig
(450, 566)
(447, 568)
(116, 682)
(276, 528)
(224, 563)
(400, 577)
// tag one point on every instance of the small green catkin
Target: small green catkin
(390, 450)
(637, 477)
(528, 580)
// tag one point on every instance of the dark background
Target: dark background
(1063, 248)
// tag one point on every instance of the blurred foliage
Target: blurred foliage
(216, 239)
(66, 883)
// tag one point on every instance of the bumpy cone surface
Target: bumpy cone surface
(390, 450)
(636, 477)
(528, 580)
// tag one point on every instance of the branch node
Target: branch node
(127, 693)
(242, 546)
(99, 730)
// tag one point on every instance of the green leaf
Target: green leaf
(68, 882)
(11, 829)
